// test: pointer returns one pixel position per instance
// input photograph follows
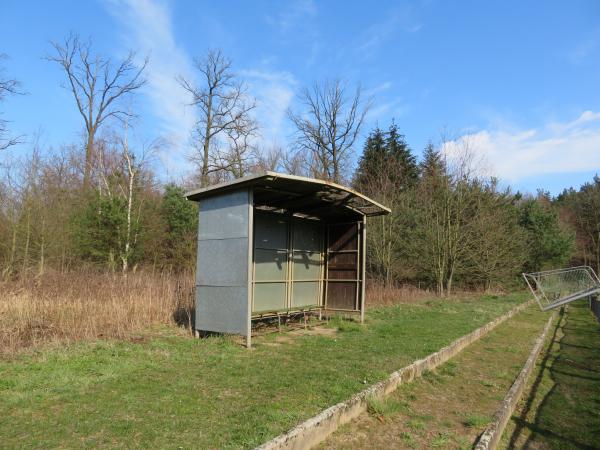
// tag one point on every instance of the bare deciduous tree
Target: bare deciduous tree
(224, 113)
(269, 159)
(133, 168)
(239, 154)
(7, 86)
(97, 84)
(329, 126)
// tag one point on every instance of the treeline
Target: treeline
(450, 226)
(48, 222)
(100, 204)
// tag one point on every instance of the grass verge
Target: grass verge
(451, 406)
(561, 408)
(175, 391)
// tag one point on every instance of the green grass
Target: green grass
(344, 325)
(476, 421)
(384, 407)
(441, 440)
(450, 406)
(176, 391)
(561, 409)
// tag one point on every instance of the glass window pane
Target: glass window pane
(270, 231)
(305, 294)
(270, 265)
(307, 265)
(269, 297)
(307, 236)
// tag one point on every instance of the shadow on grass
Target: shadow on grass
(562, 419)
(185, 316)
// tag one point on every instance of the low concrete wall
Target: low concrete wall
(492, 434)
(316, 429)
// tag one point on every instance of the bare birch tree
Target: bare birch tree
(98, 84)
(133, 167)
(224, 108)
(329, 126)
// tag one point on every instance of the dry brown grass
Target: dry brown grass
(58, 308)
(380, 295)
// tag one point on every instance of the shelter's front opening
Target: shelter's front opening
(343, 263)
(288, 263)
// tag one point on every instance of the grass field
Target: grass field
(167, 390)
(451, 406)
(561, 409)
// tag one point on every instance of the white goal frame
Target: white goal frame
(553, 288)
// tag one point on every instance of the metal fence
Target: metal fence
(552, 288)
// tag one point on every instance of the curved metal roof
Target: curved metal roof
(295, 193)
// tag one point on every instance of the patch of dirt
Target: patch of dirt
(290, 336)
(315, 331)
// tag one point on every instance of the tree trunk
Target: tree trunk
(11, 260)
(27, 240)
(89, 150)
(42, 247)
(206, 148)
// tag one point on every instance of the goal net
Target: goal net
(552, 288)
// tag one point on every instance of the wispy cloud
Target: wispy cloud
(296, 21)
(147, 26)
(274, 91)
(385, 106)
(558, 147)
(584, 50)
(292, 16)
(400, 19)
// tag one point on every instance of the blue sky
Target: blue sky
(520, 79)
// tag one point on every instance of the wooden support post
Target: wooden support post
(363, 269)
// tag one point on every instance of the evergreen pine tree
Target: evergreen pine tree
(371, 159)
(401, 158)
(432, 165)
(180, 218)
(386, 156)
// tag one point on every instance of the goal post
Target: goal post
(553, 288)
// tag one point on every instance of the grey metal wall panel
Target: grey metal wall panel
(224, 216)
(222, 309)
(222, 262)
(222, 267)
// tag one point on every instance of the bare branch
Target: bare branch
(329, 126)
(97, 84)
(8, 86)
(224, 117)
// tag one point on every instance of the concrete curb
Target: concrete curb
(492, 434)
(316, 429)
